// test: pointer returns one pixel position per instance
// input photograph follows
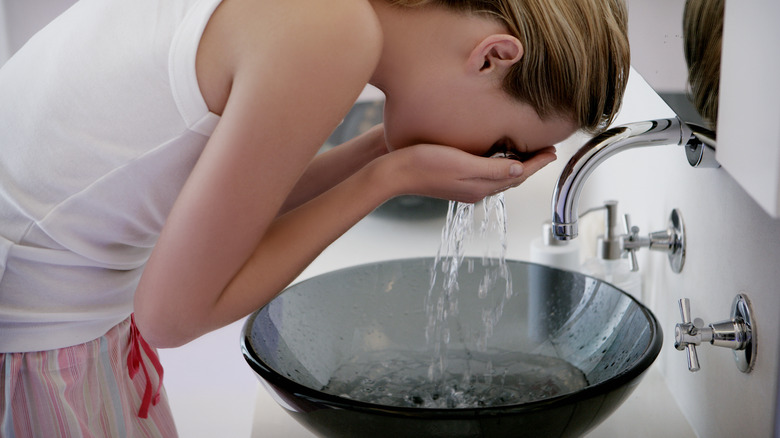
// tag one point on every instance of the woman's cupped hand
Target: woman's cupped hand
(449, 173)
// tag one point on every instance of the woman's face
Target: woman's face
(473, 118)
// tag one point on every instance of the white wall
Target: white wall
(749, 110)
(655, 36)
(733, 244)
(733, 247)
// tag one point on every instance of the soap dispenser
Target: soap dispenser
(609, 265)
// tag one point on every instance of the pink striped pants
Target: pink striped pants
(84, 391)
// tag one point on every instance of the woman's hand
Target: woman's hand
(449, 173)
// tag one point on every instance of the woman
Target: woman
(157, 158)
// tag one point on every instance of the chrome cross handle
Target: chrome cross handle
(632, 242)
(687, 335)
(671, 241)
(612, 245)
(736, 334)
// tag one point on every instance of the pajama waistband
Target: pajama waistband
(111, 386)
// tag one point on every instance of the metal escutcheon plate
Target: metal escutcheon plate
(742, 311)
(677, 254)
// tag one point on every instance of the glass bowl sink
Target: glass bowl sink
(351, 353)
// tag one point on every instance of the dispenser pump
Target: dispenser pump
(608, 244)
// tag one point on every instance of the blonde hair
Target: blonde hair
(702, 37)
(576, 59)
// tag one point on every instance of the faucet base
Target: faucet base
(676, 230)
(737, 334)
(741, 311)
(563, 232)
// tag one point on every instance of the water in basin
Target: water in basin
(471, 379)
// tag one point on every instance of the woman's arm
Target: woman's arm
(333, 166)
(295, 68)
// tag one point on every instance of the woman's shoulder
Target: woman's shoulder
(257, 35)
(337, 27)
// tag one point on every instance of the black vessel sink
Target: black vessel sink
(566, 351)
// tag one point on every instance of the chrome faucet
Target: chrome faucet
(699, 148)
(566, 196)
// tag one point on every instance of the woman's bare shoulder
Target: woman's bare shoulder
(258, 35)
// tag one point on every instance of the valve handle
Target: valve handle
(685, 314)
(633, 234)
(693, 359)
(685, 310)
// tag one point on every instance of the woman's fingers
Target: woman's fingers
(521, 170)
(540, 159)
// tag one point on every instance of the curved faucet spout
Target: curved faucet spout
(567, 191)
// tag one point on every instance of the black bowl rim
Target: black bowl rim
(335, 402)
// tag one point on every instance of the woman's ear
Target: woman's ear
(495, 53)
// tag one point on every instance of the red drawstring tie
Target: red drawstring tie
(135, 361)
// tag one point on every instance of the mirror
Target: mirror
(676, 46)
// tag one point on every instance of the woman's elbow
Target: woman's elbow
(159, 330)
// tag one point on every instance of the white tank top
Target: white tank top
(101, 122)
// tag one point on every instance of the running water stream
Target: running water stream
(441, 303)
